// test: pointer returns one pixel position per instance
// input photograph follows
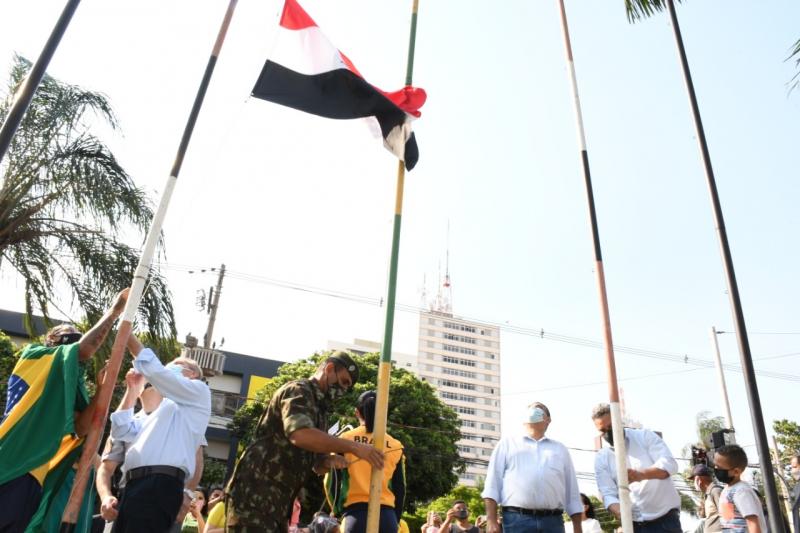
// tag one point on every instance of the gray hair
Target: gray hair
(601, 410)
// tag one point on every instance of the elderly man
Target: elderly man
(47, 403)
(532, 478)
(655, 501)
(162, 446)
(290, 441)
(709, 504)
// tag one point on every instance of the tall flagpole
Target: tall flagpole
(24, 95)
(90, 447)
(756, 415)
(613, 390)
(385, 366)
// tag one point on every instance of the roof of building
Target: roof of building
(12, 323)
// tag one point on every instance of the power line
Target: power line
(504, 326)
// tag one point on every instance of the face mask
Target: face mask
(796, 474)
(608, 434)
(462, 514)
(722, 475)
(335, 390)
(535, 415)
(175, 369)
(697, 485)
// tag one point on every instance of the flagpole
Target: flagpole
(24, 94)
(90, 447)
(385, 366)
(756, 415)
(626, 517)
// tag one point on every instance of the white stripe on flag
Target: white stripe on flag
(306, 51)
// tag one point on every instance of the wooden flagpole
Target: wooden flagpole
(613, 390)
(90, 446)
(24, 95)
(385, 366)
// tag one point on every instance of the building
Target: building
(461, 360)
(361, 346)
(12, 324)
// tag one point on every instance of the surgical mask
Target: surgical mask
(462, 514)
(796, 474)
(724, 476)
(175, 369)
(697, 485)
(535, 415)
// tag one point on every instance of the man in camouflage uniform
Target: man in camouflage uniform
(289, 442)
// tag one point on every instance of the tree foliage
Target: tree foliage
(427, 427)
(65, 202)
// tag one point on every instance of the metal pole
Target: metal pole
(25, 92)
(90, 446)
(771, 493)
(626, 515)
(726, 405)
(385, 365)
(213, 316)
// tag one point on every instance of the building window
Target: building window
(457, 397)
(468, 423)
(457, 361)
(459, 338)
(459, 327)
(489, 427)
(465, 449)
(467, 475)
(464, 410)
(224, 404)
(458, 349)
(458, 372)
(456, 384)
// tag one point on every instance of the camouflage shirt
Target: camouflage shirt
(272, 470)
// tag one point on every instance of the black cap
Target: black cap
(343, 359)
(700, 470)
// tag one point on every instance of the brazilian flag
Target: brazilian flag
(44, 391)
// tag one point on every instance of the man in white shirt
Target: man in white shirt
(655, 501)
(162, 446)
(532, 478)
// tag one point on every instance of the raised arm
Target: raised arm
(93, 338)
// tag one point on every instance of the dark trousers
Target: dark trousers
(150, 504)
(19, 500)
(355, 519)
(669, 523)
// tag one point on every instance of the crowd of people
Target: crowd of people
(147, 478)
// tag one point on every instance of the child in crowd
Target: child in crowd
(739, 506)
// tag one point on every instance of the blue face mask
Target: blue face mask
(535, 415)
(175, 369)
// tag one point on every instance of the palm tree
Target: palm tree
(639, 9)
(64, 201)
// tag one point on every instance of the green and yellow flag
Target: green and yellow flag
(44, 391)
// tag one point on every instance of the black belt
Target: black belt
(534, 512)
(143, 471)
(655, 520)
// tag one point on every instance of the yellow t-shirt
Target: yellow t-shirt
(402, 527)
(355, 482)
(216, 517)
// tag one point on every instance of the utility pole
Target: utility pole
(721, 375)
(787, 502)
(212, 308)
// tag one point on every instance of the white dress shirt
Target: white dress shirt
(171, 434)
(651, 498)
(531, 474)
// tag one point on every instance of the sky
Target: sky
(287, 199)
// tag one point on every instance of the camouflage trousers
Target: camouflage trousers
(252, 524)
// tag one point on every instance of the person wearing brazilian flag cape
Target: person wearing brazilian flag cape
(47, 414)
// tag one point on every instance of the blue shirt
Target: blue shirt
(531, 474)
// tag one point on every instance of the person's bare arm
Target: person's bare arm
(317, 441)
(491, 515)
(753, 525)
(647, 473)
(192, 484)
(93, 338)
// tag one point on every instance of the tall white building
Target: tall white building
(461, 360)
(362, 346)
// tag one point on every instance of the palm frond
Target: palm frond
(795, 54)
(639, 9)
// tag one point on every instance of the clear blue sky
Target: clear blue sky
(275, 193)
